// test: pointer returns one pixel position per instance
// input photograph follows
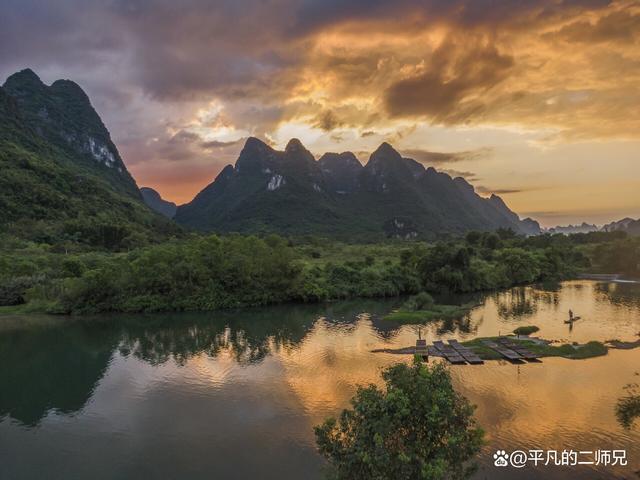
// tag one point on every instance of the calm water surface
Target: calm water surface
(236, 394)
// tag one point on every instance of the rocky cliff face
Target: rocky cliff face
(289, 192)
(62, 115)
(61, 177)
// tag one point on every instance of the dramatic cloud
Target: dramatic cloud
(438, 158)
(497, 191)
(619, 26)
(180, 84)
(468, 176)
(451, 87)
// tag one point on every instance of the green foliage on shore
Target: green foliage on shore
(422, 308)
(526, 330)
(436, 312)
(619, 256)
(51, 194)
(417, 427)
(489, 261)
(421, 301)
(198, 272)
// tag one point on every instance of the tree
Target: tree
(473, 238)
(417, 428)
(520, 266)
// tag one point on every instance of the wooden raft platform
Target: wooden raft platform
(459, 354)
(449, 353)
(421, 348)
(504, 351)
(466, 353)
(519, 349)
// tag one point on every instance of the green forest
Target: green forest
(76, 237)
(191, 272)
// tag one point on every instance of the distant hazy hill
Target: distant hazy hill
(583, 228)
(629, 225)
(61, 176)
(157, 203)
(290, 192)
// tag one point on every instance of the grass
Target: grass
(15, 309)
(25, 308)
(526, 330)
(435, 312)
(588, 350)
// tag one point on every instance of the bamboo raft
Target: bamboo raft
(459, 354)
(524, 352)
(465, 352)
(449, 353)
(504, 351)
(421, 348)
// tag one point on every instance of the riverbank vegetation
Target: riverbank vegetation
(417, 427)
(436, 312)
(205, 272)
(422, 308)
(526, 330)
(621, 255)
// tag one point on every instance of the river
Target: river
(236, 394)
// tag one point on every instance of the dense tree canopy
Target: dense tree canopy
(418, 427)
(204, 272)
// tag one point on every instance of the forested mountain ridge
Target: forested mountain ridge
(63, 180)
(61, 177)
(289, 192)
(157, 203)
(62, 115)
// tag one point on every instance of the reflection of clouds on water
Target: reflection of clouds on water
(43, 354)
(226, 383)
(554, 405)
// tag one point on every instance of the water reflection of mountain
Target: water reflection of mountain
(50, 367)
(58, 365)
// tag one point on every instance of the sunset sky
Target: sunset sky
(537, 101)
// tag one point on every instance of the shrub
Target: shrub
(418, 427)
(421, 301)
(526, 330)
(13, 290)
